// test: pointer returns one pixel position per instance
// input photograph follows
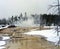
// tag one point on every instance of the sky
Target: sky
(15, 7)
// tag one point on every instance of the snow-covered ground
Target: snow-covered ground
(5, 38)
(2, 47)
(3, 41)
(51, 35)
(4, 27)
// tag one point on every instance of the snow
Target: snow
(49, 26)
(51, 34)
(2, 43)
(5, 38)
(2, 47)
(1, 28)
(4, 27)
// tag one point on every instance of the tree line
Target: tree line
(13, 19)
(49, 19)
(45, 19)
(10, 20)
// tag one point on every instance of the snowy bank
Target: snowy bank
(51, 34)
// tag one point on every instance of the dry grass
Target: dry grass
(30, 42)
(25, 41)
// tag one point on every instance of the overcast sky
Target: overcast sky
(15, 7)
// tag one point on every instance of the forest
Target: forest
(49, 19)
(45, 19)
